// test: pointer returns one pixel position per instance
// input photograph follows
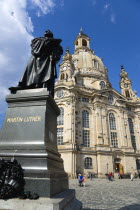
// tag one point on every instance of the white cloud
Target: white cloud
(16, 30)
(106, 6)
(113, 18)
(107, 9)
(44, 6)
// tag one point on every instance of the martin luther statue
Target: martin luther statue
(41, 68)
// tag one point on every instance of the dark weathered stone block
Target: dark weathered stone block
(29, 135)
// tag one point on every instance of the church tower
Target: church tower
(126, 85)
(87, 64)
(98, 127)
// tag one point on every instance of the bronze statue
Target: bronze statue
(41, 68)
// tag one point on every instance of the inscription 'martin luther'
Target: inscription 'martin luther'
(24, 119)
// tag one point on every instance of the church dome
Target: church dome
(85, 59)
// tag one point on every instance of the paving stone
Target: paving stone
(118, 194)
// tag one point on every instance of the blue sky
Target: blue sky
(112, 25)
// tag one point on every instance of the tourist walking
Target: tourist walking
(80, 178)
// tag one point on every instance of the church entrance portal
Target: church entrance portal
(118, 168)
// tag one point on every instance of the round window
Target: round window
(60, 93)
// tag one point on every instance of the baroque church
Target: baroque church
(98, 129)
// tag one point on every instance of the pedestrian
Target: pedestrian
(91, 176)
(139, 175)
(111, 176)
(84, 181)
(119, 175)
(132, 176)
(80, 178)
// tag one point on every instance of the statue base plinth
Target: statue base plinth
(63, 201)
(29, 135)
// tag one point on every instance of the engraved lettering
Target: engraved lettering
(24, 119)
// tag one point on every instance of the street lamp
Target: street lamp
(107, 167)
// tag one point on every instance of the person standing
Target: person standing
(91, 176)
(119, 175)
(111, 176)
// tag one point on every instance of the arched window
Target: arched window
(85, 119)
(84, 42)
(62, 76)
(127, 94)
(88, 163)
(95, 64)
(76, 42)
(60, 118)
(131, 128)
(102, 85)
(85, 125)
(131, 125)
(112, 122)
(113, 135)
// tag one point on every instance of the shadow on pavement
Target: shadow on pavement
(131, 207)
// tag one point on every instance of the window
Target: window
(133, 141)
(59, 136)
(85, 119)
(62, 76)
(112, 122)
(60, 118)
(88, 163)
(110, 99)
(95, 64)
(128, 108)
(84, 99)
(84, 42)
(127, 94)
(114, 141)
(86, 138)
(60, 93)
(131, 126)
(102, 85)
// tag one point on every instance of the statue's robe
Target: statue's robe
(41, 67)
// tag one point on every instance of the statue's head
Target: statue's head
(48, 33)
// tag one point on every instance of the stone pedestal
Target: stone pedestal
(29, 135)
(63, 201)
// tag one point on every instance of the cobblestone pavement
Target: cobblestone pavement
(122, 194)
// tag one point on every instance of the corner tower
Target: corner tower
(126, 85)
